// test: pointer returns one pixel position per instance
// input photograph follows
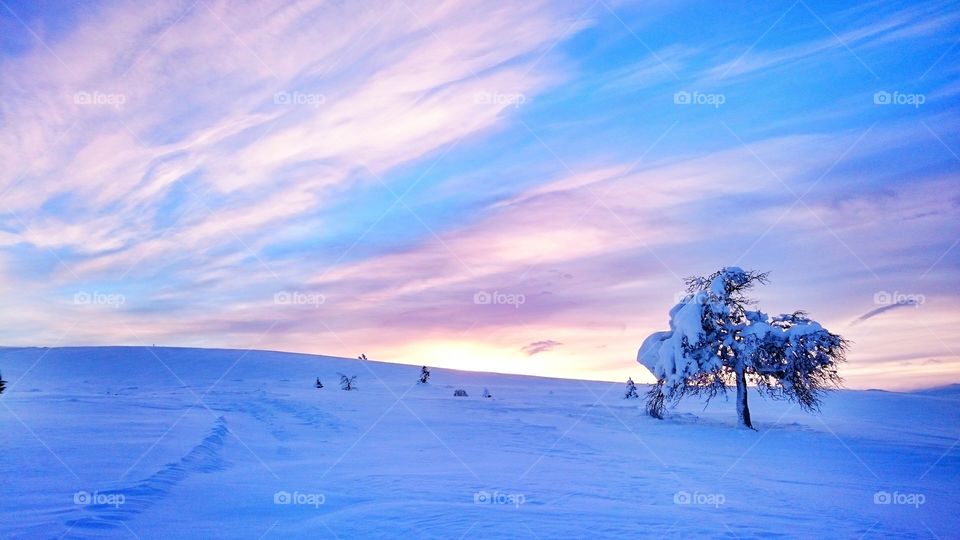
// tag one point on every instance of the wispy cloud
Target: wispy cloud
(875, 312)
(538, 347)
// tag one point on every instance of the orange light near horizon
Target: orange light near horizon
(465, 355)
(489, 357)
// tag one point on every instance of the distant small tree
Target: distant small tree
(319, 384)
(362, 357)
(486, 393)
(715, 341)
(3, 384)
(460, 392)
(631, 389)
(424, 375)
(348, 383)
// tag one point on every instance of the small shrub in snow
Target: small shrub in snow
(459, 392)
(487, 394)
(348, 383)
(715, 340)
(424, 375)
(3, 384)
(631, 389)
(318, 384)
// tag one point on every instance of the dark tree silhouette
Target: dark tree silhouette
(347, 383)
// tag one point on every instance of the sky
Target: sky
(508, 187)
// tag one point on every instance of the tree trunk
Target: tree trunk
(743, 410)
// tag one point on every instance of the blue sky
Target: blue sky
(363, 178)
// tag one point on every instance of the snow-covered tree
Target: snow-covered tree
(348, 383)
(424, 375)
(486, 393)
(318, 384)
(715, 340)
(631, 389)
(460, 392)
(3, 384)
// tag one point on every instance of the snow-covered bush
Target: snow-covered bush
(348, 383)
(631, 391)
(487, 394)
(424, 375)
(459, 392)
(3, 384)
(318, 383)
(714, 340)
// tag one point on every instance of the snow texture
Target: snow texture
(239, 444)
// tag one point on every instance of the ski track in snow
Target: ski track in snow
(204, 458)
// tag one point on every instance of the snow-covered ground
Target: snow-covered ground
(174, 443)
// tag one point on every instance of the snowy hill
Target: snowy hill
(174, 443)
(946, 391)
